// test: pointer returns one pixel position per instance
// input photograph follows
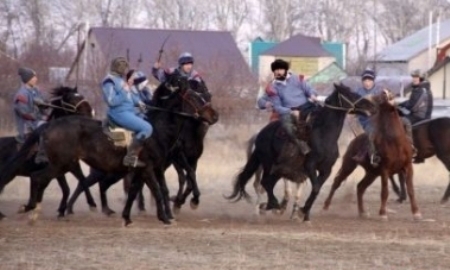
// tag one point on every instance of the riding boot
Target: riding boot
(374, 157)
(409, 134)
(288, 123)
(41, 156)
(132, 157)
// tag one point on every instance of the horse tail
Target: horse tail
(243, 177)
(10, 168)
(250, 145)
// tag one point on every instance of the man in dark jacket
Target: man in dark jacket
(420, 102)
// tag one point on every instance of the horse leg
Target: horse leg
(180, 199)
(93, 177)
(259, 190)
(65, 189)
(153, 183)
(447, 192)
(298, 193)
(367, 180)
(165, 192)
(78, 173)
(141, 201)
(287, 196)
(402, 179)
(104, 184)
(135, 185)
(410, 188)
(348, 166)
(268, 182)
(395, 187)
(317, 182)
(384, 195)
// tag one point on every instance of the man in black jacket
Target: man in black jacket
(419, 106)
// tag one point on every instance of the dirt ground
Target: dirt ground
(222, 235)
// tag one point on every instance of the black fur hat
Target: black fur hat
(279, 64)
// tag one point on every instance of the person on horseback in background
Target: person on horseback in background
(291, 97)
(367, 90)
(141, 95)
(121, 110)
(185, 68)
(419, 106)
(29, 110)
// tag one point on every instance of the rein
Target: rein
(195, 116)
(65, 105)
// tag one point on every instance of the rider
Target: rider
(419, 106)
(29, 110)
(121, 110)
(141, 95)
(290, 96)
(368, 89)
(185, 68)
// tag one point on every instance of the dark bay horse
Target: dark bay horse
(184, 156)
(327, 125)
(395, 152)
(65, 101)
(75, 138)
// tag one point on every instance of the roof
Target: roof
(257, 47)
(439, 65)
(210, 49)
(414, 44)
(330, 73)
(299, 45)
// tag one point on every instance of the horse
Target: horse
(391, 142)
(431, 138)
(259, 190)
(327, 125)
(184, 156)
(64, 101)
(75, 138)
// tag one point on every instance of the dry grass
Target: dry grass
(220, 235)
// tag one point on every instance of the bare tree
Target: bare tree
(230, 15)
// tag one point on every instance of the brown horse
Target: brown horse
(395, 152)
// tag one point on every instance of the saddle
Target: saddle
(119, 136)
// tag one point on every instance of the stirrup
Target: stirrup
(132, 161)
(375, 160)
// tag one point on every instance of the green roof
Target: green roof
(331, 73)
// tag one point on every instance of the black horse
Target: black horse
(77, 138)
(64, 101)
(183, 156)
(431, 138)
(327, 125)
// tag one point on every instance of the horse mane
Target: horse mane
(387, 119)
(61, 90)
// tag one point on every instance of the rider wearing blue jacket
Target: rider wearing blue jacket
(121, 110)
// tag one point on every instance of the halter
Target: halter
(67, 107)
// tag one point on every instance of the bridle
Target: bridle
(65, 106)
(341, 107)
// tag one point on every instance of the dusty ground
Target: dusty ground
(220, 235)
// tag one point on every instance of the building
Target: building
(307, 55)
(413, 52)
(217, 57)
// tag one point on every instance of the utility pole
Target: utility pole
(375, 5)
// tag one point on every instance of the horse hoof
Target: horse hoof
(383, 217)
(176, 210)
(444, 201)
(391, 211)
(32, 218)
(22, 209)
(276, 212)
(364, 215)
(127, 223)
(38, 207)
(108, 212)
(92, 209)
(263, 206)
(173, 198)
(141, 212)
(417, 216)
(69, 211)
(307, 223)
(2, 216)
(193, 205)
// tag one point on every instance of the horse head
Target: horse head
(344, 99)
(176, 95)
(67, 100)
